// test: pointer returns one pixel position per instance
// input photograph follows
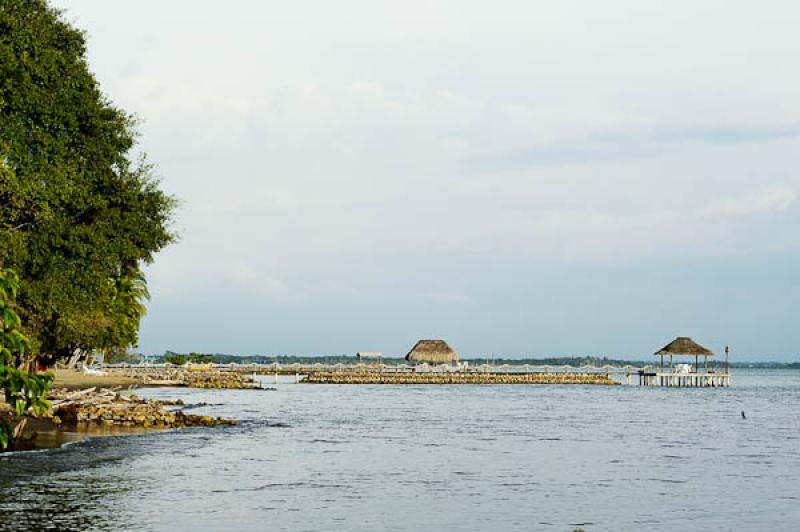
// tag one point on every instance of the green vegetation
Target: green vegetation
(120, 355)
(217, 358)
(81, 215)
(22, 390)
(197, 358)
(178, 360)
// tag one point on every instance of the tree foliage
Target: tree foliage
(200, 358)
(119, 355)
(12, 342)
(178, 360)
(81, 214)
(22, 390)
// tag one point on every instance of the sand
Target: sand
(75, 380)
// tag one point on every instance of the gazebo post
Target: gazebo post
(727, 365)
(662, 362)
(697, 363)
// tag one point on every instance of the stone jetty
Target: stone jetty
(374, 377)
(185, 377)
(109, 407)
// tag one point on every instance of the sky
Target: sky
(522, 178)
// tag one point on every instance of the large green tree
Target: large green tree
(79, 214)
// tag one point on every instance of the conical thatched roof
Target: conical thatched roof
(433, 352)
(683, 345)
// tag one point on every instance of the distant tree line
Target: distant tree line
(178, 358)
(195, 358)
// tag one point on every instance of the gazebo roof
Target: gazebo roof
(683, 345)
(432, 351)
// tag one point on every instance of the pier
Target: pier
(684, 380)
(681, 376)
(375, 373)
(685, 375)
(378, 373)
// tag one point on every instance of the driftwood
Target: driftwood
(17, 433)
(120, 397)
(87, 391)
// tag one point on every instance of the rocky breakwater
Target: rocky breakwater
(218, 379)
(374, 377)
(110, 408)
(186, 377)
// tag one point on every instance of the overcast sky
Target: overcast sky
(524, 178)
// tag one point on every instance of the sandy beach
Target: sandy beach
(75, 380)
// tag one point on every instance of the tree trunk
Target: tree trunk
(73, 361)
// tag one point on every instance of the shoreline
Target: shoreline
(80, 410)
(44, 433)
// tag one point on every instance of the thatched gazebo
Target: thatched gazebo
(685, 346)
(432, 352)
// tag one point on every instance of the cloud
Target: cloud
(775, 197)
(625, 141)
(450, 298)
(342, 164)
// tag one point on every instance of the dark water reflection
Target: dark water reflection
(444, 458)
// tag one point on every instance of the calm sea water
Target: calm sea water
(444, 458)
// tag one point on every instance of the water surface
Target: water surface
(446, 458)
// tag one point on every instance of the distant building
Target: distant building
(361, 355)
(432, 352)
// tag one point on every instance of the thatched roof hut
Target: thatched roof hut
(683, 345)
(432, 352)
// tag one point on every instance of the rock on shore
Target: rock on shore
(107, 407)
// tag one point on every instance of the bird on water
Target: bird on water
(743, 416)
